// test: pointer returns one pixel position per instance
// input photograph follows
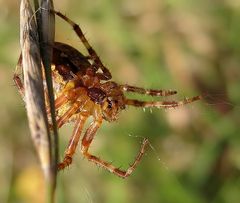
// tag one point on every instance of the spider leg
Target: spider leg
(72, 145)
(16, 77)
(66, 96)
(76, 106)
(161, 104)
(151, 92)
(87, 140)
(61, 100)
(97, 62)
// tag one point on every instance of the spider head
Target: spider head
(113, 103)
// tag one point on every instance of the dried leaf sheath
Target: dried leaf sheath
(46, 31)
(33, 83)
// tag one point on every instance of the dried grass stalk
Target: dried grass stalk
(34, 95)
(46, 31)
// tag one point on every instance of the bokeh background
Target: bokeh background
(191, 46)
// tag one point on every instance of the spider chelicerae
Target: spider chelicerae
(83, 89)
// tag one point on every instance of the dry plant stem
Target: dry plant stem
(34, 95)
(46, 31)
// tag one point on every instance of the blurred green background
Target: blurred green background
(191, 46)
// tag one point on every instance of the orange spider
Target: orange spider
(83, 89)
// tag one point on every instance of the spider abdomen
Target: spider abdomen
(69, 61)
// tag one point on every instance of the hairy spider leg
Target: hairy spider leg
(61, 100)
(68, 114)
(73, 142)
(66, 96)
(87, 140)
(151, 92)
(75, 107)
(106, 75)
(161, 104)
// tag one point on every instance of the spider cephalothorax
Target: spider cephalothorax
(114, 101)
(83, 89)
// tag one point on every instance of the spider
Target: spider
(83, 89)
